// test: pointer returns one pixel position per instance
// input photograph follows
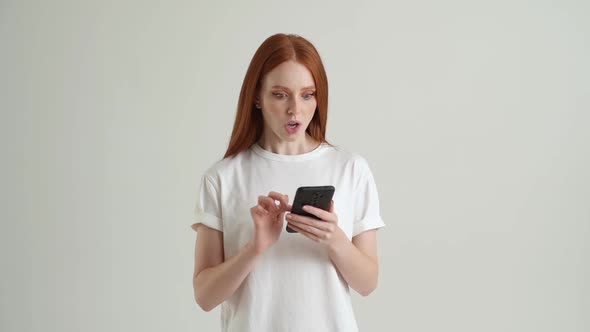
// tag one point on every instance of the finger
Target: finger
(331, 206)
(318, 224)
(304, 232)
(277, 198)
(262, 210)
(281, 216)
(309, 229)
(322, 214)
(283, 199)
(268, 203)
(258, 210)
(276, 195)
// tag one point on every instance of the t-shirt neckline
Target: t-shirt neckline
(288, 157)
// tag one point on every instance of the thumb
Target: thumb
(285, 202)
(281, 217)
(332, 206)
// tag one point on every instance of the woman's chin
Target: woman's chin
(294, 137)
(290, 138)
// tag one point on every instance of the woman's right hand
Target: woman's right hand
(268, 219)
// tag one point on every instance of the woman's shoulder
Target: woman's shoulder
(346, 155)
(353, 163)
(222, 166)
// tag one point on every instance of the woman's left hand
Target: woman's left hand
(325, 231)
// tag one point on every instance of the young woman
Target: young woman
(265, 278)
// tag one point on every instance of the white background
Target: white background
(474, 117)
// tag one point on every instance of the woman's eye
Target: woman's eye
(308, 95)
(278, 94)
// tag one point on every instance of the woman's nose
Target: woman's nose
(294, 106)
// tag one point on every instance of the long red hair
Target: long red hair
(275, 50)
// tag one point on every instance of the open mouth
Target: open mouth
(292, 127)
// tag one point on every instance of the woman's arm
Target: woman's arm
(357, 261)
(215, 280)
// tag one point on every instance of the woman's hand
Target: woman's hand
(268, 219)
(325, 231)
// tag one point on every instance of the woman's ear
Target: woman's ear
(257, 102)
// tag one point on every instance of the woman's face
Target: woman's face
(287, 99)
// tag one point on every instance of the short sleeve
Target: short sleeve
(366, 209)
(208, 207)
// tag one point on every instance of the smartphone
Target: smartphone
(318, 196)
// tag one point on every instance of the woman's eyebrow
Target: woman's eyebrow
(311, 87)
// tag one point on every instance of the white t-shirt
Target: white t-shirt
(294, 285)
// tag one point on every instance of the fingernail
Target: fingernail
(305, 207)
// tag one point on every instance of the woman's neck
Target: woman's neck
(304, 145)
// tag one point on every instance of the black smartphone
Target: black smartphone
(318, 196)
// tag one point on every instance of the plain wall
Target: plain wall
(474, 117)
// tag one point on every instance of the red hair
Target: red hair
(275, 50)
